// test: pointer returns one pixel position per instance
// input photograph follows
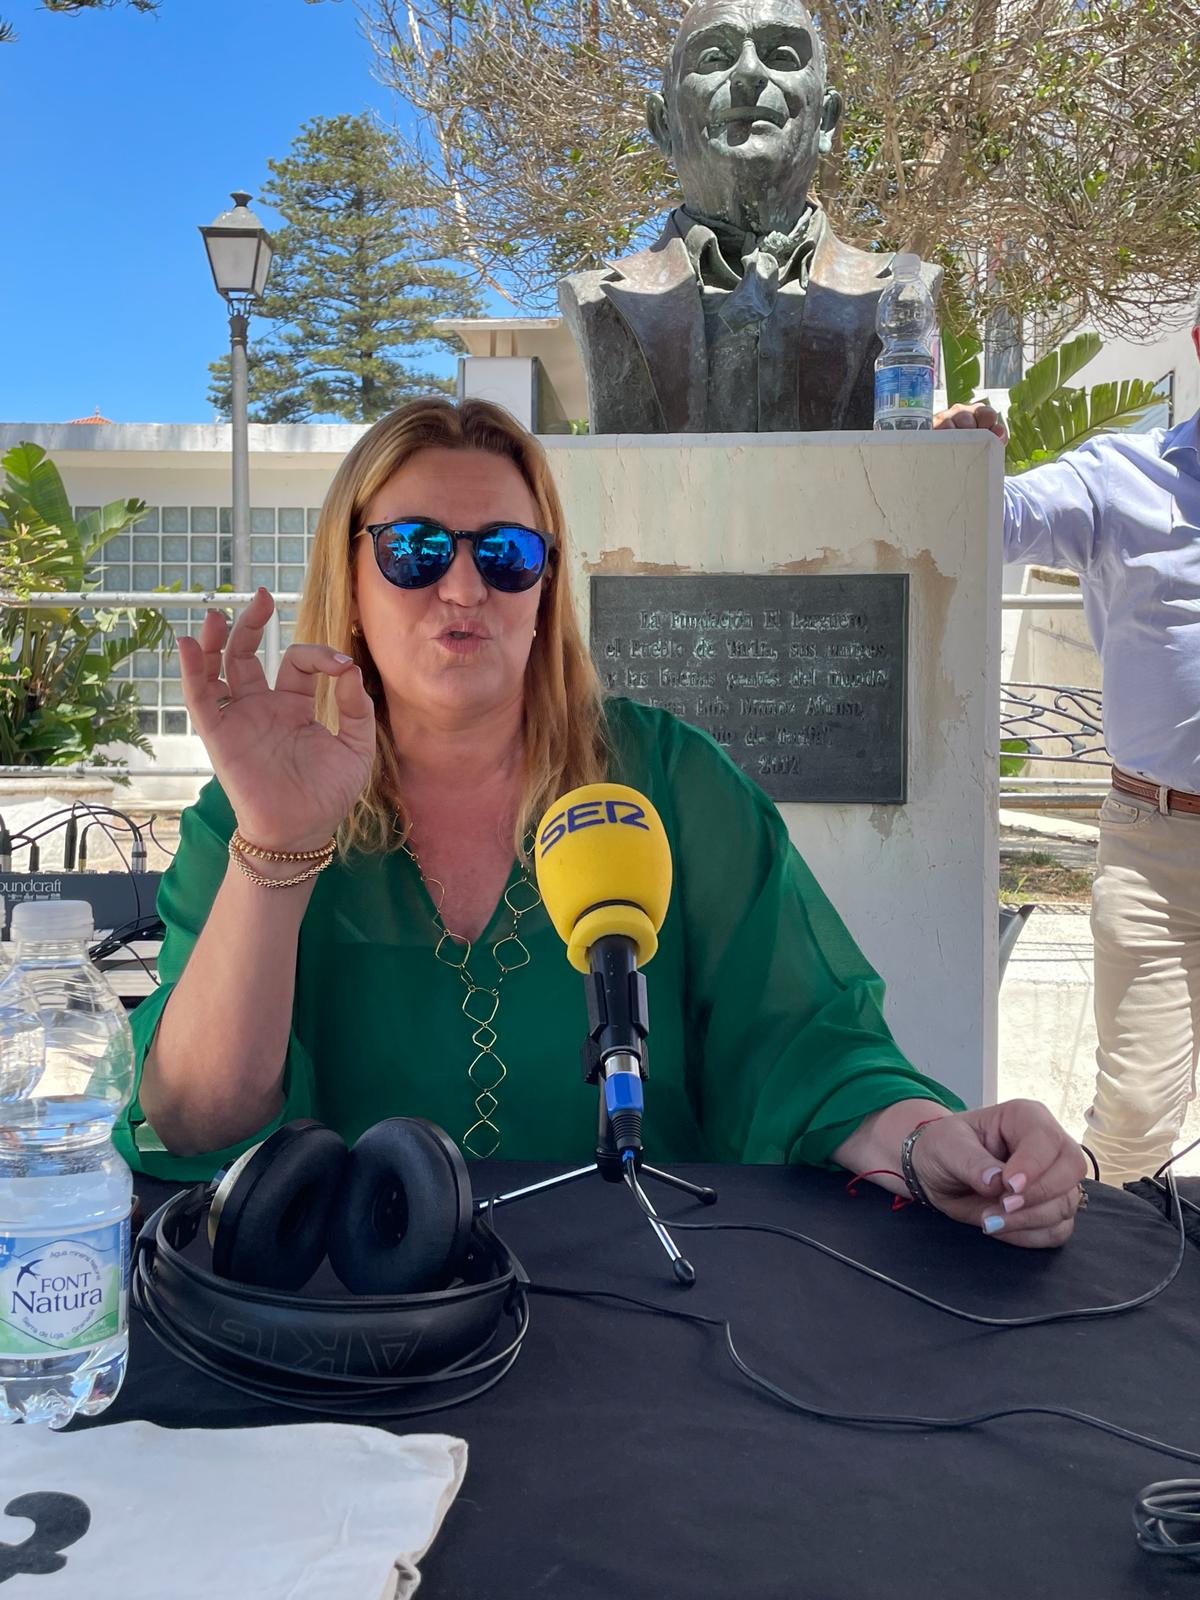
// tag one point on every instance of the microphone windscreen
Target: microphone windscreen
(604, 866)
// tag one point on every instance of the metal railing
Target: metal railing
(1068, 715)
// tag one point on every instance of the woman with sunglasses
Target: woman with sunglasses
(353, 928)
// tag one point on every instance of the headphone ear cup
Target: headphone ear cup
(403, 1222)
(268, 1219)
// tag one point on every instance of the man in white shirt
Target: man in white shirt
(1123, 511)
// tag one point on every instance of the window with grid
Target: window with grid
(192, 546)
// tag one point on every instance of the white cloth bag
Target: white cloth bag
(318, 1511)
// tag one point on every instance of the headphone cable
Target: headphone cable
(1040, 1319)
(899, 1420)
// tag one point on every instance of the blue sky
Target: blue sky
(123, 132)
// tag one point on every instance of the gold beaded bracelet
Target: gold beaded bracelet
(260, 878)
(239, 842)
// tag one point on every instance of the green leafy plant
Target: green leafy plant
(59, 701)
(1012, 759)
(960, 364)
(1046, 415)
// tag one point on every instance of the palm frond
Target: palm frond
(35, 485)
(960, 364)
(1053, 372)
(1068, 419)
(96, 528)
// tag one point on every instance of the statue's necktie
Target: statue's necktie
(764, 259)
(754, 298)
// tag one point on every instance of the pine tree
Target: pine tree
(350, 306)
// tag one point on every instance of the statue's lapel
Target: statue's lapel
(836, 329)
(656, 295)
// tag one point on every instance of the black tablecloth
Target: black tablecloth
(624, 1455)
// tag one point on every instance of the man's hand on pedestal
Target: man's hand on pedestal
(978, 415)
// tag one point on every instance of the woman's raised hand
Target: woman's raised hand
(289, 780)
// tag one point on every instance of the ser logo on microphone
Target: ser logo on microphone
(588, 814)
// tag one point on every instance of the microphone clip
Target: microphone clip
(617, 1007)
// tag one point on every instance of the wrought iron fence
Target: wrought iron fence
(1056, 723)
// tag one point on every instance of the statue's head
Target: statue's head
(745, 111)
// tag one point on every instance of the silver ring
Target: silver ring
(225, 700)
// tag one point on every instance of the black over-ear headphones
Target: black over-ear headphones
(429, 1282)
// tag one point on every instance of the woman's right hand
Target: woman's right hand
(289, 780)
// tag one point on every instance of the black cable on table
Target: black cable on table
(1166, 1518)
(900, 1421)
(146, 921)
(1079, 1314)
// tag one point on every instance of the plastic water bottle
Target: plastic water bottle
(65, 1193)
(904, 369)
(22, 1037)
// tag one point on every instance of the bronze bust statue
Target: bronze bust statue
(747, 314)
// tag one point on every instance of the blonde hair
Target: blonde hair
(565, 743)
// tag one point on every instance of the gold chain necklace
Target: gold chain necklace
(487, 1071)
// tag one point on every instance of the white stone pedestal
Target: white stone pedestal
(916, 883)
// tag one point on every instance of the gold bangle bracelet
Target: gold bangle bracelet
(239, 842)
(265, 882)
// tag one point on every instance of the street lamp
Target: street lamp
(239, 253)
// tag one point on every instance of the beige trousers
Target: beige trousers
(1146, 928)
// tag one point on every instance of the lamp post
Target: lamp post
(239, 253)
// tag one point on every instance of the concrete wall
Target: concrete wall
(915, 883)
(508, 381)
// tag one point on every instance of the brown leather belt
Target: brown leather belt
(1164, 799)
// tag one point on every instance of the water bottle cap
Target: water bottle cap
(51, 921)
(906, 265)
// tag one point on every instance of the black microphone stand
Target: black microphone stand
(611, 1167)
(614, 1058)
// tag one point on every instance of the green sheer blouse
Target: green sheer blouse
(767, 1039)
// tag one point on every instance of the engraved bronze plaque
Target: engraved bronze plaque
(801, 680)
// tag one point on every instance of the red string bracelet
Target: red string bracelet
(898, 1200)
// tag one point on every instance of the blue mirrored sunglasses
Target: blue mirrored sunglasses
(414, 552)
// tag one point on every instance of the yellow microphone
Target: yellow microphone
(604, 867)
(604, 870)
